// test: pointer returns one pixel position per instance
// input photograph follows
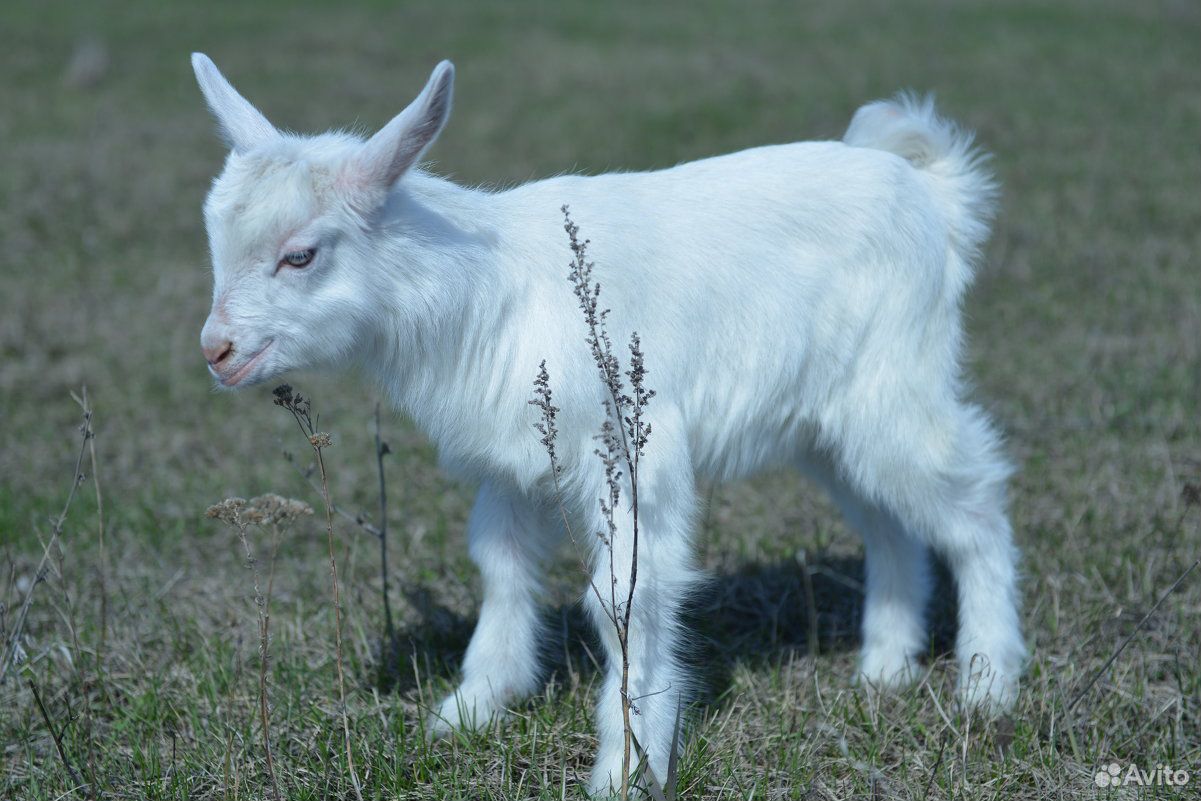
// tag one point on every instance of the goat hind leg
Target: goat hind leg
(897, 586)
(956, 504)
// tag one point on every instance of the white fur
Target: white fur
(798, 304)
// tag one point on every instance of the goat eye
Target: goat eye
(299, 258)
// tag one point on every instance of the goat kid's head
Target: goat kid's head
(289, 220)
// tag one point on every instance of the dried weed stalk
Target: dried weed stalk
(276, 514)
(102, 562)
(623, 437)
(301, 410)
(13, 651)
(1190, 496)
(78, 783)
(380, 532)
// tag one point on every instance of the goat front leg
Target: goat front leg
(508, 540)
(658, 684)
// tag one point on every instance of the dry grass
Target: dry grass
(1086, 333)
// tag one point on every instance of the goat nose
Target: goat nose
(218, 353)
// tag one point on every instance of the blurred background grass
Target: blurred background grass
(1085, 330)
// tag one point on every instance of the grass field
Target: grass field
(1086, 345)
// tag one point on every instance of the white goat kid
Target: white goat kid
(798, 304)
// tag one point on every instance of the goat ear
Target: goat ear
(242, 125)
(399, 144)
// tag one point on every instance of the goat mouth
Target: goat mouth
(235, 378)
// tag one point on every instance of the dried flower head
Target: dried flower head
(301, 410)
(321, 440)
(272, 509)
(228, 511)
(265, 510)
(546, 427)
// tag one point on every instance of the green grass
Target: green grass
(1086, 345)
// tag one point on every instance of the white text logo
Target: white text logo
(1114, 775)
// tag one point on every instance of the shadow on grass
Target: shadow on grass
(757, 615)
(760, 615)
(432, 647)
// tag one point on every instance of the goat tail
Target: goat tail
(965, 189)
